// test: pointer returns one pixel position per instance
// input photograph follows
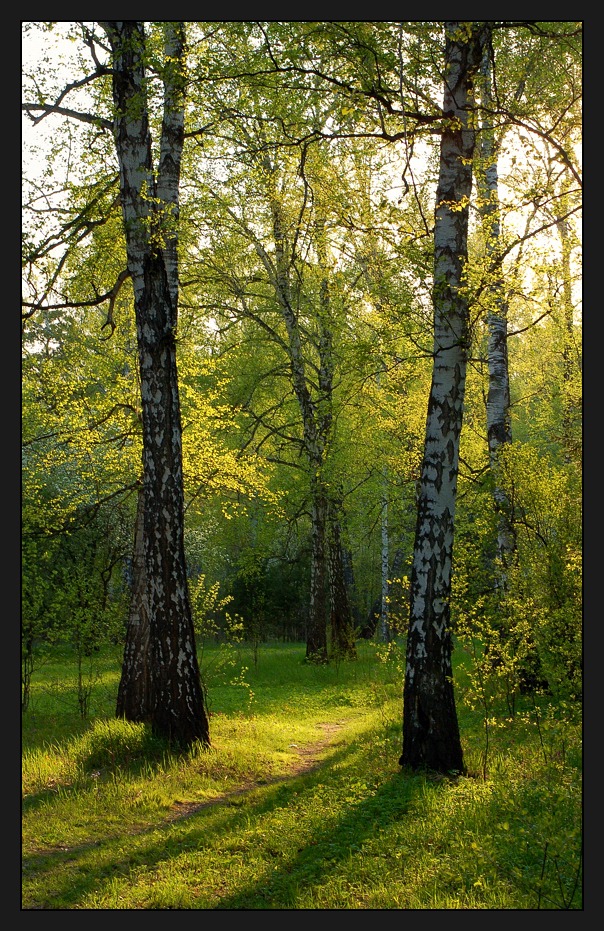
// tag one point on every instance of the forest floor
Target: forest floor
(308, 759)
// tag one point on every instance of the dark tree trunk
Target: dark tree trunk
(375, 612)
(431, 737)
(179, 704)
(340, 616)
(169, 694)
(316, 422)
(350, 583)
(316, 639)
(134, 694)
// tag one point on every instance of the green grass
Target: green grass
(112, 820)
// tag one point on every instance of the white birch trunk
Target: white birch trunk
(430, 728)
(175, 703)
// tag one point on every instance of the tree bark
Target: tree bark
(499, 430)
(134, 696)
(316, 423)
(375, 612)
(316, 639)
(385, 549)
(570, 407)
(341, 624)
(174, 702)
(431, 737)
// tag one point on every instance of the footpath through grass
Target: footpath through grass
(111, 820)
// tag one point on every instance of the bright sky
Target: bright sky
(54, 57)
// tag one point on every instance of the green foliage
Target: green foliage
(213, 624)
(72, 592)
(524, 635)
(545, 586)
(305, 116)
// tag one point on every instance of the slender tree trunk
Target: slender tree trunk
(316, 640)
(375, 612)
(431, 737)
(384, 628)
(569, 403)
(316, 411)
(315, 425)
(349, 581)
(342, 628)
(176, 703)
(499, 429)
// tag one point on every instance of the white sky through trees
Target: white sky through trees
(51, 60)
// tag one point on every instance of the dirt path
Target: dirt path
(308, 760)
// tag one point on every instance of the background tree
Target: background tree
(296, 312)
(498, 396)
(490, 604)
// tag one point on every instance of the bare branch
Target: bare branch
(48, 108)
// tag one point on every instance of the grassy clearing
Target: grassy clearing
(112, 820)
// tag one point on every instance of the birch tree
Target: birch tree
(430, 727)
(161, 679)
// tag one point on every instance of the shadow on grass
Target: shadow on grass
(75, 873)
(142, 860)
(140, 863)
(114, 749)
